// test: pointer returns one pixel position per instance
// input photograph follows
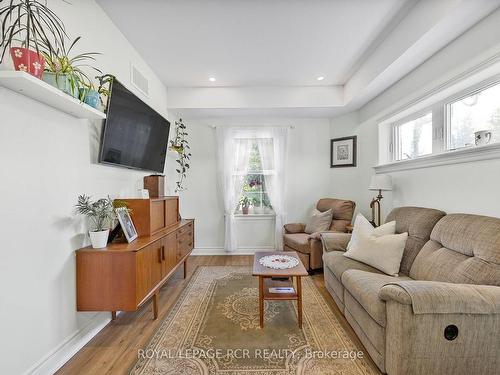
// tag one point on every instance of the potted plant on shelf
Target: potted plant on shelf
(245, 203)
(104, 88)
(100, 215)
(30, 23)
(180, 145)
(65, 72)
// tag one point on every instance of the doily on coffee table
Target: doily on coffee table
(279, 262)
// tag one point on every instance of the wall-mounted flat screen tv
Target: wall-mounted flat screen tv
(134, 135)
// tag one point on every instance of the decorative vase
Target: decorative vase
(61, 81)
(244, 210)
(26, 60)
(90, 97)
(482, 137)
(99, 239)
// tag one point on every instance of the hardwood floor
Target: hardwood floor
(114, 349)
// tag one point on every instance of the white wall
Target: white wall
(47, 159)
(469, 187)
(307, 173)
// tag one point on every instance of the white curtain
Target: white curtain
(232, 164)
(272, 143)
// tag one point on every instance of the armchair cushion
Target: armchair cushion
(295, 228)
(319, 221)
(297, 242)
(431, 297)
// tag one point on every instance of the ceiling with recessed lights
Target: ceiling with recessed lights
(255, 43)
(332, 55)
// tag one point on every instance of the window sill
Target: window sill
(464, 155)
(255, 216)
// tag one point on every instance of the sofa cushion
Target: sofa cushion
(297, 241)
(418, 222)
(364, 287)
(338, 264)
(464, 249)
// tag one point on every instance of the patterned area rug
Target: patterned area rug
(214, 329)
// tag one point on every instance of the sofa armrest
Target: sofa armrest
(431, 297)
(335, 241)
(295, 228)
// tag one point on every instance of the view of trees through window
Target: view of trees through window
(480, 111)
(254, 185)
(414, 138)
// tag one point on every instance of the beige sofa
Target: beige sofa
(308, 246)
(442, 314)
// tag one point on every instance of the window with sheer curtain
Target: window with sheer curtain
(251, 165)
(254, 188)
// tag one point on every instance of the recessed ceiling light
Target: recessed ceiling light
(212, 79)
(320, 78)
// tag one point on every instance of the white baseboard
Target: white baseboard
(221, 251)
(70, 346)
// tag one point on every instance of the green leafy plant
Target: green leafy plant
(105, 82)
(245, 201)
(180, 145)
(31, 23)
(60, 62)
(100, 213)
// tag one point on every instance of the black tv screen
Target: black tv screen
(134, 135)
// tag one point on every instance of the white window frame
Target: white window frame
(459, 96)
(394, 145)
(262, 172)
(441, 154)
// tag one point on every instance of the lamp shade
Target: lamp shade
(381, 182)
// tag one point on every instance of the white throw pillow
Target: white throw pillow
(319, 221)
(362, 228)
(378, 247)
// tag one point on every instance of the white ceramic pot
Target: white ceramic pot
(482, 137)
(99, 239)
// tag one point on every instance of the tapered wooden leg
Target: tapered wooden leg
(261, 301)
(185, 268)
(155, 305)
(299, 300)
(113, 315)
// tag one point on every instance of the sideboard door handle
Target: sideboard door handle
(159, 255)
(163, 252)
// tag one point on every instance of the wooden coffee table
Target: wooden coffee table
(266, 274)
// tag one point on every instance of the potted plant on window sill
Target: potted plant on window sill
(245, 203)
(30, 23)
(100, 215)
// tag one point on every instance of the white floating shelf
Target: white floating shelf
(41, 91)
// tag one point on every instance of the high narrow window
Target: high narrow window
(479, 111)
(413, 138)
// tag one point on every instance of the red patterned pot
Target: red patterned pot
(29, 61)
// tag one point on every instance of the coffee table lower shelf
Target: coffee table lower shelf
(266, 282)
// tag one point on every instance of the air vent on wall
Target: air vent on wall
(139, 80)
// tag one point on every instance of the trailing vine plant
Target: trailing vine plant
(181, 145)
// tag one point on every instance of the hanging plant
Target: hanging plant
(181, 146)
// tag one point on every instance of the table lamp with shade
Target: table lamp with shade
(379, 182)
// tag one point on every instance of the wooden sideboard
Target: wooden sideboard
(123, 276)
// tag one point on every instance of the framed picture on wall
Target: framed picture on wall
(343, 152)
(126, 223)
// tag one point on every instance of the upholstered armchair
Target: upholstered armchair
(308, 245)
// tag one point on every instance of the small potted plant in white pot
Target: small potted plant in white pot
(245, 204)
(100, 214)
